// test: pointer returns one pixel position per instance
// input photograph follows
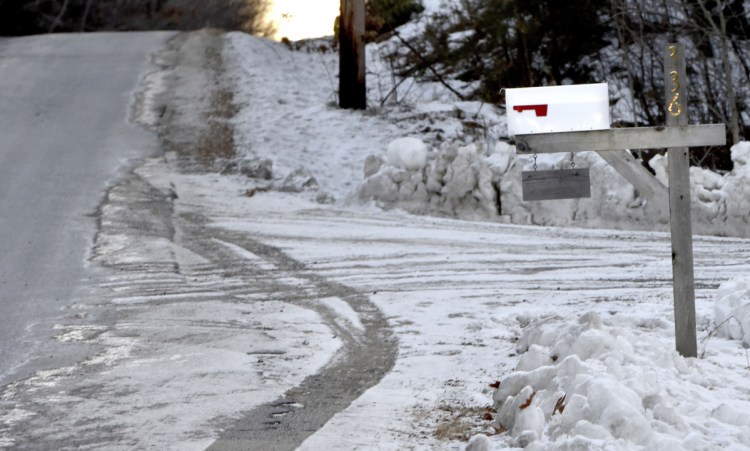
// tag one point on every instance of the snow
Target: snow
(344, 312)
(594, 384)
(475, 181)
(612, 369)
(593, 326)
(294, 113)
(407, 153)
(732, 310)
(509, 335)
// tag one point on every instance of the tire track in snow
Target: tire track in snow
(146, 285)
(365, 357)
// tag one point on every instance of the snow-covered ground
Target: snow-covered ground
(508, 335)
(594, 365)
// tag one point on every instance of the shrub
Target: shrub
(384, 16)
(40, 16)
(512, 43)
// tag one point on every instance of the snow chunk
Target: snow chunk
(458, 181)
(407, 153)
(479, 442)
(732, 310)
(741, 153)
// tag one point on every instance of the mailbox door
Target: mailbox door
(553, 109)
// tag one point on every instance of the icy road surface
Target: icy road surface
(64, 133)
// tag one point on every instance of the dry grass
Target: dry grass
(458, 422)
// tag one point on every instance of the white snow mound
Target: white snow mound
(477, 181)
(587, 385)
(732, 310)
(407, 153)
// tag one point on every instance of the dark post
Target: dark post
(352, 90)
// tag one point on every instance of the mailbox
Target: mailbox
(552, 109)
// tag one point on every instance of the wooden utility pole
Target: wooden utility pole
(352, 89)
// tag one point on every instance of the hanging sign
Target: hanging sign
(554, 109)
(555, 184)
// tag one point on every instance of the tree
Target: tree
(717, 40)
(511, 43)
(384, 16)
(716, 20)
(352, 87)
(19, 17)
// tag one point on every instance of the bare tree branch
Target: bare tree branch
(58, 19)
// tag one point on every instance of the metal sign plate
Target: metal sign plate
(555, 184)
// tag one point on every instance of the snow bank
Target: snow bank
(732, 310)
(588, 385)
(730, 206)
(288, 129)
(467, 182)
(452, 180)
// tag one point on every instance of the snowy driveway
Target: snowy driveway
(459, 295)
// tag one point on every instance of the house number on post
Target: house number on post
(674, 108)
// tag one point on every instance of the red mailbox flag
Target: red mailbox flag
(540, 110)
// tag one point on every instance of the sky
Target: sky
(300, 19)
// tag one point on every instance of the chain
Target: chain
(535, 162)
(572, 163)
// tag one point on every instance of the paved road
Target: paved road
(64, 134)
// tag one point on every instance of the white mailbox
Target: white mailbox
(552, 109)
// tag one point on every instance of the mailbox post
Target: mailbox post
(677, 137)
